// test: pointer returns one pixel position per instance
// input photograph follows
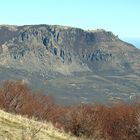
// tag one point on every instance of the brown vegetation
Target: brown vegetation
(116, 122)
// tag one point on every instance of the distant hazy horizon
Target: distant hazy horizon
(134, 41)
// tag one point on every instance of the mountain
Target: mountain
(70, 63)
(64, 50)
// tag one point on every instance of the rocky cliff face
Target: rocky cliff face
(57, 49)
(70, 64)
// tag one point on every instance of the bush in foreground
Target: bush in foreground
(116, 122)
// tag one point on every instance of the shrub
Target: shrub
(16, 97)
(114, 122)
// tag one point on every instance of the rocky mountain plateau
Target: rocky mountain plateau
(71, 64)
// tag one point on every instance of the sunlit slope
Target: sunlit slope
(15, 127)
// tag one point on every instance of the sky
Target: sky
(122, 17)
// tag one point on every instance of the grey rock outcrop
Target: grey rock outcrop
(58, 49)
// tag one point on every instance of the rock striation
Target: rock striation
(64, 50)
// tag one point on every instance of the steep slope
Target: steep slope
(64, 50)
(15, 127)
(36, 48)
(71, 64)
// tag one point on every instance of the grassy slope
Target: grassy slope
(15, 127)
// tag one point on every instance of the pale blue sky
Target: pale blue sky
(122, 17)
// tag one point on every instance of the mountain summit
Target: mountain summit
(60, 49)
(71, 64)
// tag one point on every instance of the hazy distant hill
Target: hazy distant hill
(135, 41)
(70, 63)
